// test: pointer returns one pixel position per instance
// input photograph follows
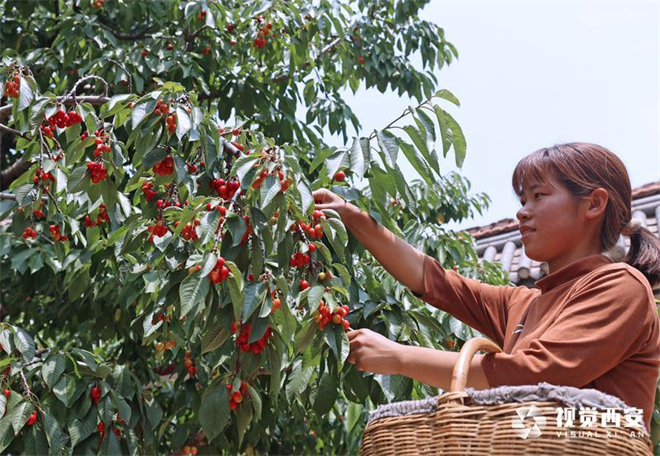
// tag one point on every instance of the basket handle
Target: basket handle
(460, 374)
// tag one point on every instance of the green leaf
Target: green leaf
(53, 368)
(214, 338)
(339, 159)
(79, 180)
(457, 139)
(255, 398)
(447, 95)
(209, 264)
(192, 292)
(183, 124)
(214, 411)
(251, 300)
(19, 415)
(314, 296)
(298, 381)
(79, 430)
(339, 228)
(243, 165)
(53, 433)
(24, 343)
(416, 161)
(209, 224)
(235, 283)
(243, 420)
(388, 143)
(269, 189)
(444, 132)
(426, 121)
(68, 390)
(26, 94)
(326, 396)
(357, 159)
(306, 198)
(304, 336)
(140, 111)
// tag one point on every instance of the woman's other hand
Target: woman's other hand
(372, 352)
(325, 199)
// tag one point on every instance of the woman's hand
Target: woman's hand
(325, 199)
(374, 353)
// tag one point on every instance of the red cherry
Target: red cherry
(32, 419)
(340, 176)
(304, 285)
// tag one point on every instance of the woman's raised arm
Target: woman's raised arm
(403, 261)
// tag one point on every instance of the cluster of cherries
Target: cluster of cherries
(201, 15)
(220, 272)
(11, 87)
(284, 182)
(29, 233)
(192, 168)
(299, 260)
(256, 347)
(236, 397)
(226, 189)
(219, 208)
(315, 231)
(159, 230)
(170, 121)
(260, 41)
(62, 119)
(323, 317)
(189, 449)
(168, 344)
(101, 140)
(98, 4)
(97, 171)
(43, 175)
(147, 190)
(190, 364)
(189, 232)
(56, 234)
(164, 167)
(101, 218)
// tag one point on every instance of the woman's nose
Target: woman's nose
(523, 213)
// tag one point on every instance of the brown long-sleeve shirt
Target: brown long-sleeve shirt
(592, 324)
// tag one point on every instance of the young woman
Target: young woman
(591, 323)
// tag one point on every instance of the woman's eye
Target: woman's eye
(536, 194)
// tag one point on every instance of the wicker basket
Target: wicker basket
(456, 424)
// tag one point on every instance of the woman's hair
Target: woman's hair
(582, 168)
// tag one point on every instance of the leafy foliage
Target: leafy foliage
(153, 273)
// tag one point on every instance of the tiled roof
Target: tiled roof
(500, 242)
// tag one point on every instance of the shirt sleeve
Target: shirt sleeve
(481, 306)
(602, 324)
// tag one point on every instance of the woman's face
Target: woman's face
(552, 214)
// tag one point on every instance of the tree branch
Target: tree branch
(12, 173)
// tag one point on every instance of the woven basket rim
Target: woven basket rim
(541, 392)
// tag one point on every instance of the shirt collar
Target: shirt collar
(572, 271)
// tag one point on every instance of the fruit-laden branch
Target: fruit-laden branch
(13, 172)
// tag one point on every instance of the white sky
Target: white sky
(532, 74)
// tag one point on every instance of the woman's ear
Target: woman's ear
(597, 203)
